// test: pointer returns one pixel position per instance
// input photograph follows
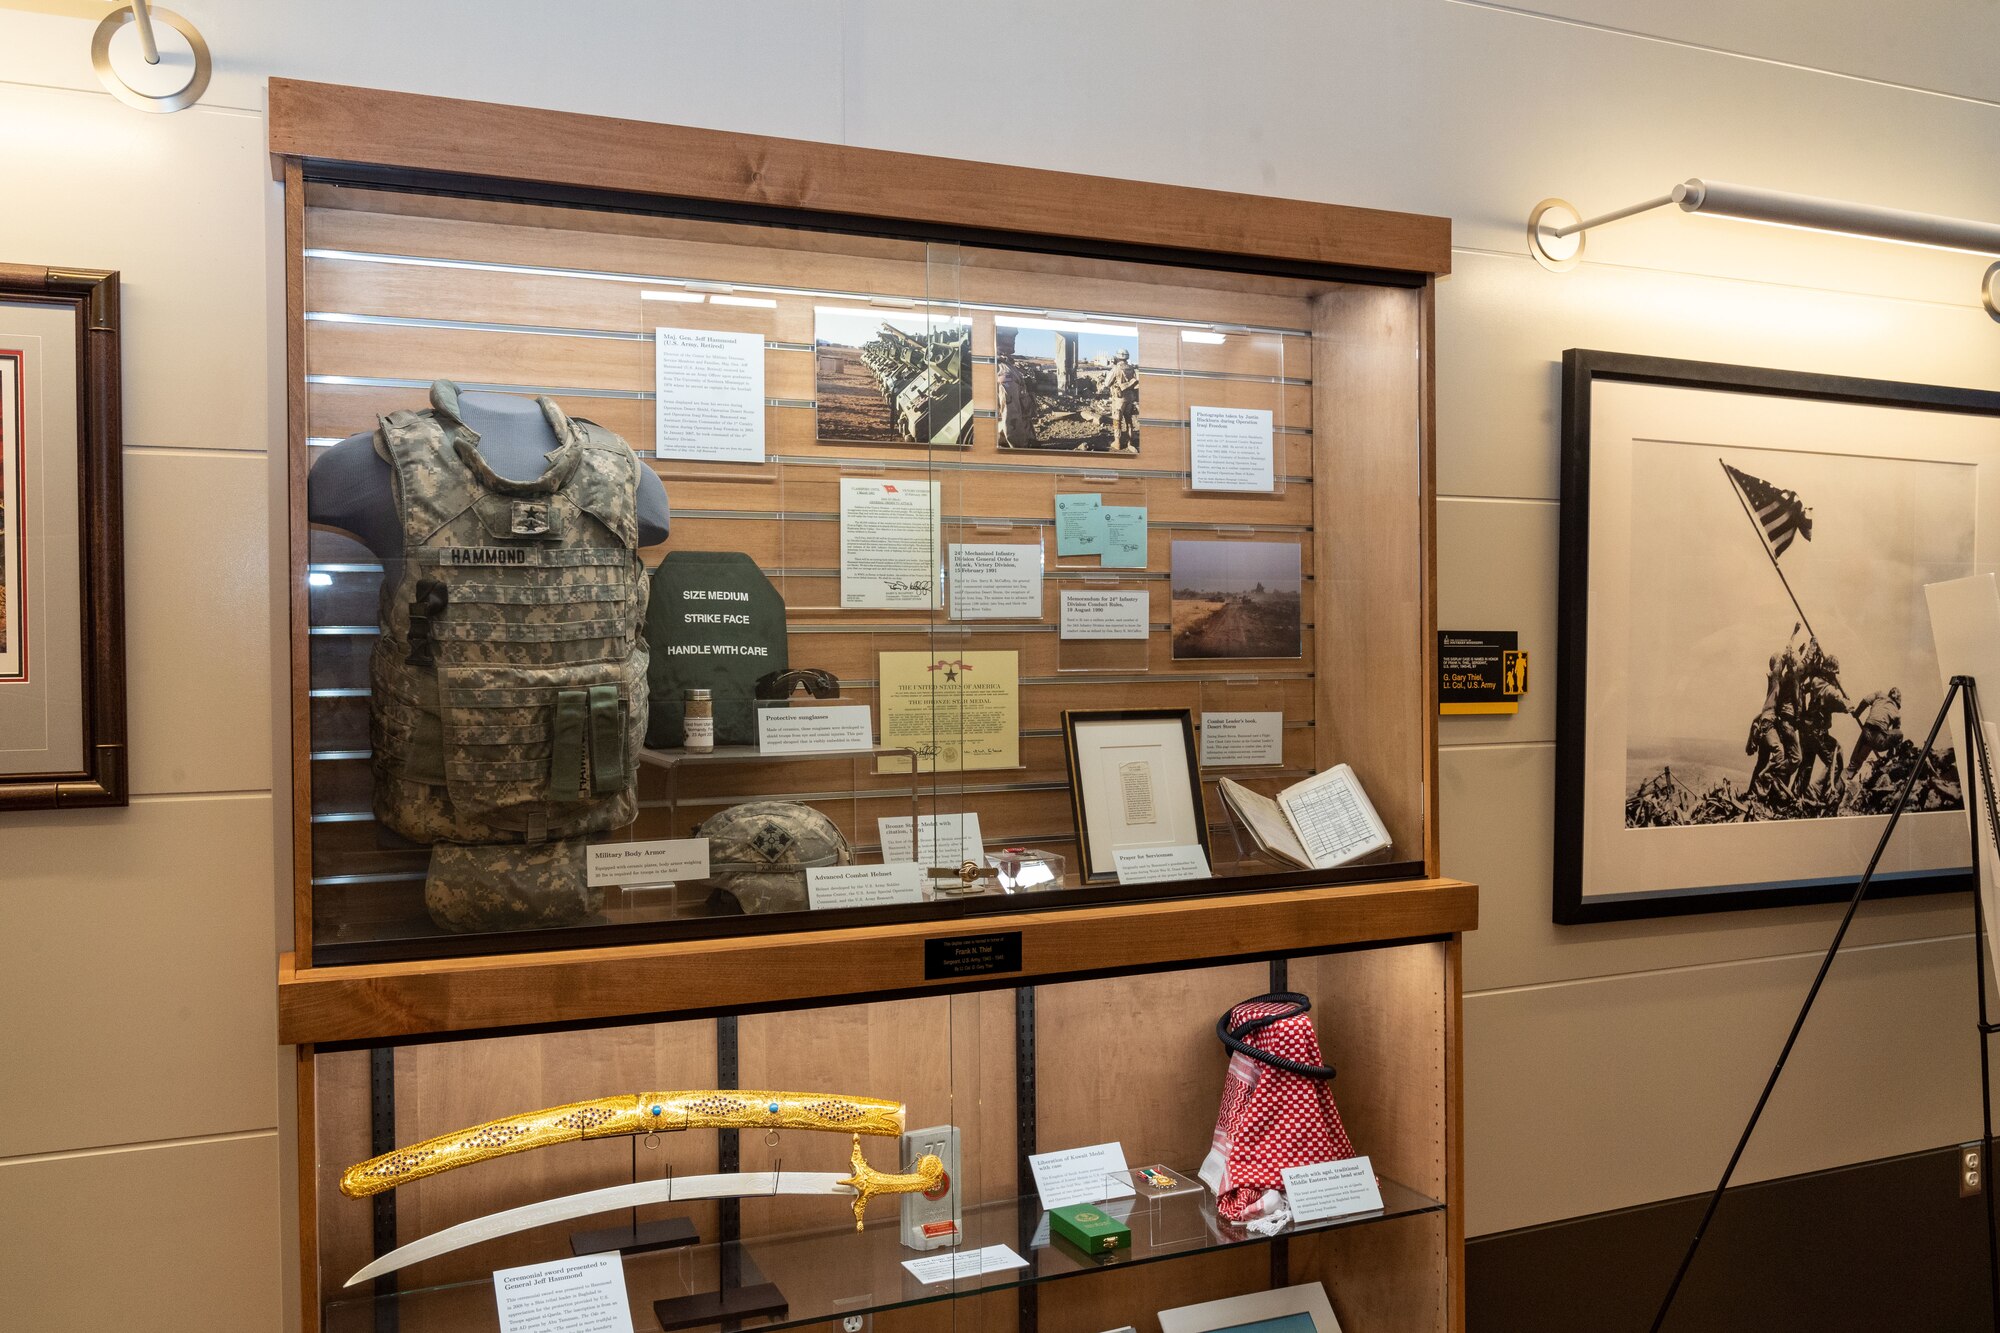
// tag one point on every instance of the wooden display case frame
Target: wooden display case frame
(1373, 681)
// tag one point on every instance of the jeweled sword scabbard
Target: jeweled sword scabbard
(610, 1117)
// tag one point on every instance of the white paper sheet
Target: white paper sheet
(657, 861)
(998, 581)
(835, 729)
(1081, 1175)
(1331, 1189)
(708, 395)
(864, 886)
(1230, 449)
(582, 1295)
(889, 544)
(1091, 614)
(945, 840)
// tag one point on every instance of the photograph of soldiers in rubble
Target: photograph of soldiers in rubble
(1069, 386)
(1780, 657)
(882, 378)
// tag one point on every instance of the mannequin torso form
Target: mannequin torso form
(350, 486)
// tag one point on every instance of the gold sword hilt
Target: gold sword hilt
(608, 1117)
(867, 1182)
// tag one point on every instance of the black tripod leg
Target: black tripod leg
(1973, 738)
(1798, 1024)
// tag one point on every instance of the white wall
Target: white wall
(1606, 1066)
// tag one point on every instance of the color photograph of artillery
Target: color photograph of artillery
(892, 379)
(1072, 387)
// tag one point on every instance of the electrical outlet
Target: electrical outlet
(1971, 1169)
(933, 1221)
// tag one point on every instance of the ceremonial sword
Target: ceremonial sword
(643, 1113)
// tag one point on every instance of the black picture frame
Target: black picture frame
(1581, 370)
(1071, 718)
(90, 299)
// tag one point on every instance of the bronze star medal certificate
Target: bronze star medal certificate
(957, 710)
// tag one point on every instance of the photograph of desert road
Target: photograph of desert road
(1236, 599)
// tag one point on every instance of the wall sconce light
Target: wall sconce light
(133, 82)
(1556, 230)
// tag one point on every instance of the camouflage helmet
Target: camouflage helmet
(758, 852)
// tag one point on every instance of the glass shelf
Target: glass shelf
(836, 1273)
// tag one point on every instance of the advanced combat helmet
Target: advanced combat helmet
(758, 852)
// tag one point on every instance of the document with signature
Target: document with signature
(889, 544)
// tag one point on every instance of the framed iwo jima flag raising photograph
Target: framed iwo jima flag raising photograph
(62, 609)
(1744, 671)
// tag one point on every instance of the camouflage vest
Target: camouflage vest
(509, 681)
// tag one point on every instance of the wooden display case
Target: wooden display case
(513, 250)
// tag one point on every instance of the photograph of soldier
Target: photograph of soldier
(892, 378)
(1066, 385)
(12, 574)
(1741, 591)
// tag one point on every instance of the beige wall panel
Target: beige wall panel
(1496, 565)
(1497, 811)
(1941, 45)
(1504, 323)
(1603, 1093)
(198, 632)
(182, 1236)
(137, 974)
(195, 323)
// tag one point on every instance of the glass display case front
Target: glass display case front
(676, 574)
(810, 1166)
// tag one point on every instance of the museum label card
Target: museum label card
(1124, 536)
(1081, 1175)
(1001, 581)
(814, 730)
(1080, 524)
(660, 861)
(864, 886)
(950, 1264)
(889, 544)
(1242, 740)
(585, 1295)
(1090, 614)
(956, 710)
(1332, 1189)
(943, 840)
(1229, 449)
(708, 395)
(1159, 865)
(1480, 671)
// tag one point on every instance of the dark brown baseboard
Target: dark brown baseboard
(1880, 1247)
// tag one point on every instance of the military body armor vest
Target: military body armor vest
(509, 681)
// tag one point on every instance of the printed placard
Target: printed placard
(943, 840)
(995, 581)
(814, 730)
(1229, 449)
(1159, 865)
(709, 395)
(1242, 740)
(1332, 1189)
(864, 886)
(952, 1264)
(585, 1295)
(659, 861)
(1088, 613)
(1081, 1175)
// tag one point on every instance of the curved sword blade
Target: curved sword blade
(730, 1185)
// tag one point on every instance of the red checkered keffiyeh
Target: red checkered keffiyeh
(1271, 1118)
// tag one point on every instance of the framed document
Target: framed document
(1301, 1309)
(1134, 783)
(62, 603)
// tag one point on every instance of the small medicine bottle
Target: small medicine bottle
(698, 723)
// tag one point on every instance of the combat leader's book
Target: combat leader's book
(1322, 822)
